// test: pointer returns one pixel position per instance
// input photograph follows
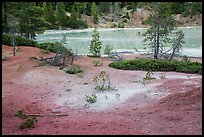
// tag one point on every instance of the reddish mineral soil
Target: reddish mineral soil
(170, 106)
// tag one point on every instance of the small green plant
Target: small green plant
(147, 79)
(95, 46)
(185, 59)
(74, 70)
(97, 63)
(121, 25)
(149, 75)
(91, 99)
(28, 121)
(162, 75)
(81, 74)
(44, 51)
(18, 49)
(108, 49)
(102, 82)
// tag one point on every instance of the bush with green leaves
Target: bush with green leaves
(76, 24)
(55, 47)
(28, 121)
(97, 63)
(95, 46)
(91, 99)
(108, 49)
(74, 70)
(20, 41)
(162, 75)
(121, 25)
(185, 59)
(147, 79)
(149, 75)
(158, 65)
(102, 82)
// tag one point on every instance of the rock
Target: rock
(68, 89)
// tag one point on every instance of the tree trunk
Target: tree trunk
(157, 43)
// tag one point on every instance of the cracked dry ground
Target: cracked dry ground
(164, 106)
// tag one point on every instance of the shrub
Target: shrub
(76, 24)
(108, 49)
(97, 63)
(95, 46)
(20, 41)
(74, 70)
(121, 25)
(28, 121)
(91, 99)
(53, 47)
(158, 65)
(102, 82)
(94, 56)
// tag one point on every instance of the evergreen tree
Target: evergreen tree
(51, 17)
(61, 16)
(161, 24)
(95, 47)
(45, 11)
(73, 13)
(116, 9)
(94, 13)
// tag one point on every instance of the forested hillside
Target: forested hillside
(29, 18)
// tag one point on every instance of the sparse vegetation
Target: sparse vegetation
(147, 79)
(108, 49)
(149, 75)
(102, 82)
(162, 75)
(91, 98)
(185, 59)
(28, 121)
(97, 63)
(74, 70)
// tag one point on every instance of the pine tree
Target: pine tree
(51, 17)
(73, 13)
(116, 10)
(61, 16)
(95, 47)
(94, 13)
(161, 25)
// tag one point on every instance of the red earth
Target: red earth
(171, 106)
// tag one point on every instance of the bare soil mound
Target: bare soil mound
(164, 106)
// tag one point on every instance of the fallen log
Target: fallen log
(48, 115)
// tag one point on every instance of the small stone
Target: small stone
(68, 89)
(134, 108)
(85, 83)
(2, 96)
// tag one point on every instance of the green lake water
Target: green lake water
(122, 40)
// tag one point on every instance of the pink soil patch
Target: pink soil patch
(164, 106)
